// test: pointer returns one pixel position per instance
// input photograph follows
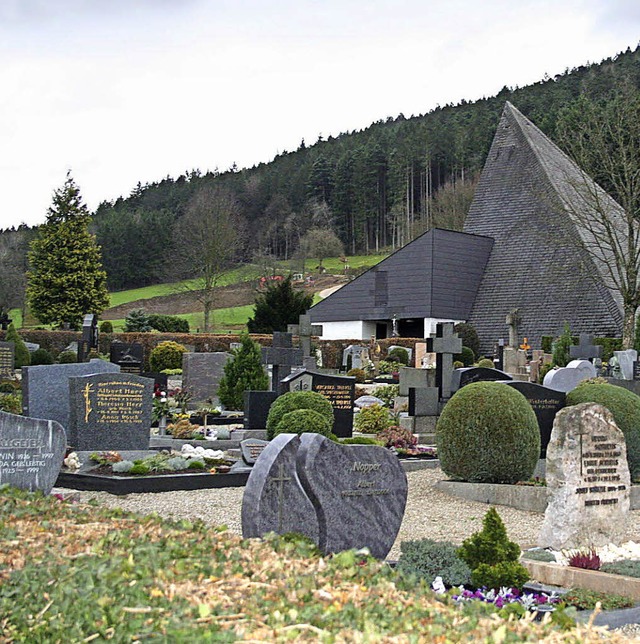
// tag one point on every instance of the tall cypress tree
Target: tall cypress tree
(66, 278)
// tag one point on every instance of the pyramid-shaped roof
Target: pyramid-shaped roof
(531, 199)
(434, 276)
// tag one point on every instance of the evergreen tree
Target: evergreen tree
(243, 372)
(66, 279)
(21, 353)
(279, 306)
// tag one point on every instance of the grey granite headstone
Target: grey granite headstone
(626, 360)
(352, 496)
(466, 375)
(359, 356)
(7, 359)
(424, 401)
(202, 372)
(45, 388)
(410, 377)
(251, 448)
(446, 344)
(274, 500)
(568, 378)
(31, 452)
(587, 479)
(110, 411)
(89, 339)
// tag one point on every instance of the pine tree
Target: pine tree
(279, 306)
(66, 279)
(242, 373)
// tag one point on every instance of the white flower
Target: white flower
(438, 586)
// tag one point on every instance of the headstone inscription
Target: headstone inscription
(625, 361)
(281, 356)
(587, 479)
(356, 493)
(31, 452)
(251, 448)
(339, 391)
(7, 359)
(202, 372)
(586, 349)
(129, 357)
(636, 370)
(45, 388)
(546, 404)
(446, 344)
(110, 411)
(467, 375)
(89, 340)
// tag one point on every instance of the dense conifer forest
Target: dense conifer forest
(377, 188)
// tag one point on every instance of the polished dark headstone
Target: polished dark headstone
(31, 452)
(256, 408)
(7, 359)
(467, 375)
(202, 372)
(129, 357)
(281, 356)
(89, 339)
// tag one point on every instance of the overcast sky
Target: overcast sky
(121, 91)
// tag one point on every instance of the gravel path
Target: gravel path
(429, 513)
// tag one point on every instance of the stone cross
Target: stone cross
(281, 356)
(304, 330)
(585, 350)
(446, 344)
(513, 320)
(280, 480)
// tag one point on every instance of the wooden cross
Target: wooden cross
(280, 480)
(585, 350)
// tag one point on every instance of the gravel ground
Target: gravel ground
(429, 513)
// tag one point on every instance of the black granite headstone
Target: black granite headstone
(89, 340)
(256, 408)
(467, 375)
(546, 404)
(339, 390)
(110, 412)
(636, 370)
(129, 357)
(31, 452)
(7, 359)
(159, 379)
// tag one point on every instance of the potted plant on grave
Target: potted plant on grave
(161, 411)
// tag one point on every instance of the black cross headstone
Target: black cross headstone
(445, 345)
(305, 330)
(498, 355)
(585, 350)
(281, 356)
(5, 321)
(89, 338)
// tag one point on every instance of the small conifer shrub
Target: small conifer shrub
(372, 419)
(243, 372)
(167, 355)
(297, 400)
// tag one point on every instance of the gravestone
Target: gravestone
(467, 375)
(446, 344)
(159, 379)
(359, 356)
(421, 352)
(305, 331)
(273, 499)
(251, 448)
(31, 452)
(339, 390)
(281, 356)
(513, 320)
(587, 479)
(416, 378)
(498, 355)
(45, 388)
(5, 321)
(569, 377)
(424, 401)
(202, 372)
(585, 350)
(356, 493)
(636, 370)
(625, 361)
(256, 408)
(546, 404)
(110, 411)
(129, 357)
(7, 359)
(89, 340)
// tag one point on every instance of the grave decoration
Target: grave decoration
(546, 404)
(341, 496)
(110, 411)
(467, 375)
(567, 378)
(129, 357)
(89, 339)
(281, 356)
(305, 330)
(7, 359)
(31, 452)
(339, 390)
(45, 388)
(587, 479)
(202, 372)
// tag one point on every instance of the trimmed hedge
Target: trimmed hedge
(488, 433)
(297, 400)
(625, 407)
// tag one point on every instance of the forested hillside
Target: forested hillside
(376, 188)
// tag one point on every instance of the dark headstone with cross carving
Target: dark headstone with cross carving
(305, 330)
(89, 340)
(585, 350)
(445, 345)
(281, 356)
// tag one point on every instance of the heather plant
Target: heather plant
(397, 437)
(587, 559)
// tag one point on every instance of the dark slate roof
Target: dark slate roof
(527, 200)
(436, 275)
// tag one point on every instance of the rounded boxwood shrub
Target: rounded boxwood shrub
(67, 357)
(625, 407)
(167, 355)
(429, 559)
(486, 363)
(399, 354)
(297, 400)
(488, 433)
(466, 356)
(358, 374)
(106, 326)
(304, 421)
(41, 356)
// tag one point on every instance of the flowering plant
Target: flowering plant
(161, 408)
(504, 596)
